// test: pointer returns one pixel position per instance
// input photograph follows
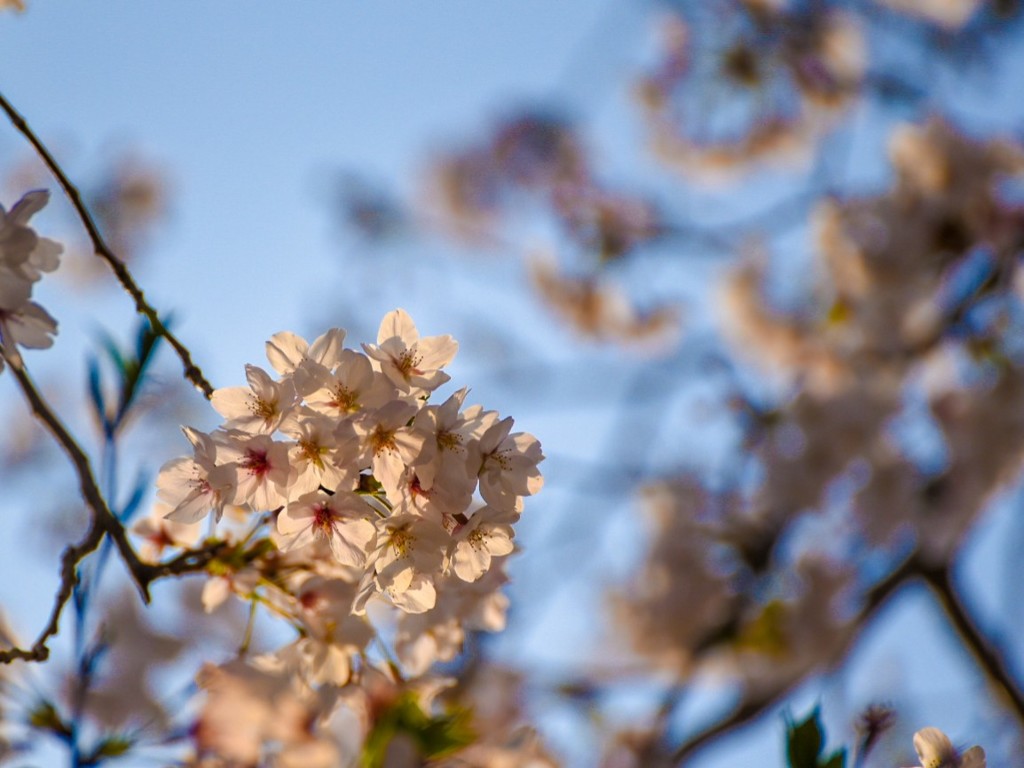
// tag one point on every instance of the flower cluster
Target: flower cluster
(24, 256)
(369, 491)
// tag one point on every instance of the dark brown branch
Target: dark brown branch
(70, 559)
(103, 518)
(104, 523)
(999, 677)
(191, 370)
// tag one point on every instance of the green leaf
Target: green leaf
(108, 746)
(805, 742)
(45, 717)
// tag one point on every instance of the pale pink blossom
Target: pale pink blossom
(413, 364)
(291, 355)
(260, 469)
(260, 407)
(352, 386)
(194, 487)
(935, 750)
(508, 465)
(340, 519)
(312, 457)
(488, 533)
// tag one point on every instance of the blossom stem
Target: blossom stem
(984, 651)
(117, 266)
(243, 649)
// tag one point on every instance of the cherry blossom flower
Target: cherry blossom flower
(24, 256)
(260, 469)
(452, 432)
(508, 465)
(487, 534)
(381, 440)
(935, 750)
(158, 533)
(413, 364)
(260, 407)
(352, 386)
(312, 455)
(332, 634)
(292, 355)
(340, 519)
(195, 486)
(411, 550)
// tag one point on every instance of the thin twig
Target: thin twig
(191, 370)
(985, 652)
(103, 518)
(104, 522)
(70, 559)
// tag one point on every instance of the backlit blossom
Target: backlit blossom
(935, 750)
(24, 257)
(193, 487)
(487, 534)
(340, 519)
(508, 467)
(260, 407)
(412, 363)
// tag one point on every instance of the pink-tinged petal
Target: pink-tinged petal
(294, 518)
(29, 205)
(230, 402)
(418, 596)
(352, 541)
(469, 562)
(285, 351)
(973, 758)
(436, 351)
(397, 324)
(327, 349)
(215, 592)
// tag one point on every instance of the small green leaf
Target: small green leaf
(111, 746)
(805, 742)
(45, 717)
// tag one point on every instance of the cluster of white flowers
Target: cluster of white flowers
(24, 256)
(369, 494)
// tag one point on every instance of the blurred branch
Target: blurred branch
(191, 370)
(752, 707)
(103, 518)
(984, 651)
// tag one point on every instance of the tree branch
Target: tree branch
(103, 518)
(70, 559)
(984, 651)
(191, 370)
(751, 707)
